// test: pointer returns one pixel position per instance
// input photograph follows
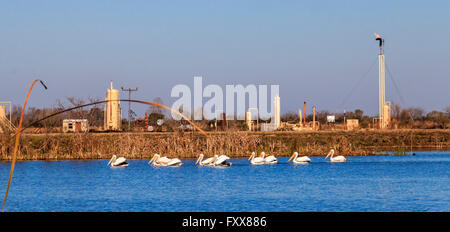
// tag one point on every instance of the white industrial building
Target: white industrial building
(75, 125)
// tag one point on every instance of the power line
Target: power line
(129, 104)
(395, 85)
(357, 84)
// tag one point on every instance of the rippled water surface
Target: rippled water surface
(381, 183)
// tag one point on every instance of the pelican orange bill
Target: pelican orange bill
(293, 154)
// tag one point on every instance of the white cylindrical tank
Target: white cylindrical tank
(113, 113)
(300, 116)
(248, 119)
(277, 109)
(386, 115)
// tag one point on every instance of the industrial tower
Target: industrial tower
(113, 112)
(384, 109)
(277, 109)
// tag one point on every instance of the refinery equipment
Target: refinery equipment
(5, 123)
(113, 112)
(384, 109)
(300, 117)
(314, 118)
(277, 113)
(248, 119)
(304, 113)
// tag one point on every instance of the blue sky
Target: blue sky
(315, 50)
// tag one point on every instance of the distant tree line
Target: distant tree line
(401, 118)
(412, 117)
(94, 114)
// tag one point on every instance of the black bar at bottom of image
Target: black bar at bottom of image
(231, 221)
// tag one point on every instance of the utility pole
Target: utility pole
(129, 104)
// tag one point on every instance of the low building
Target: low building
(5, 123)
(352, 124)
(75, 125)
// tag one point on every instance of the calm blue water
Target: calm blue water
(382, 183)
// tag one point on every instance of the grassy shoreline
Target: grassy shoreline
(234, 144)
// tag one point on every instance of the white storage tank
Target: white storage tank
(113, 112)
(277, 113)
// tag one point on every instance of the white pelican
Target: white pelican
(202, 162)
(117, 162)
(299, 160)
(269, 159)
(159, 161)
(338, 158)
(221, 160)
(256, 160)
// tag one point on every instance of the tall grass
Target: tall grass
(232, 143)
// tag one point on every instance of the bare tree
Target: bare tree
(396, 110)
(447, 109)
(155, 109)
(416, 113)
(289, 116)
(74, 101)
(440, 118)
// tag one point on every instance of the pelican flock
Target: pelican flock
(117, 162)
(299, 160)
(222, 160)
(338, 158)
(159, 161)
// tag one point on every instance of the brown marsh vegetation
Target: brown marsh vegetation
(232, 143)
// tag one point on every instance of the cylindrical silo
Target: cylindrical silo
(300, 117)
(113, 112)
(248, 119)
(277, 113)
